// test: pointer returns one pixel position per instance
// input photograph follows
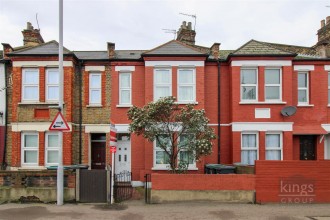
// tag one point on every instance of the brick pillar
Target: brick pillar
(262, 145)
(42, 147)
(16, 149)
(67, 148)
(86, 87)
(236, 146)
(42, 84)
(261, 83)
(103, 88)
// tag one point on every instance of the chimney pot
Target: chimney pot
(111, 50)
(322, 23)
(327, 19)
(29, 26)
(189, 25)
(215, 50)
(185, 34)
(31, 37)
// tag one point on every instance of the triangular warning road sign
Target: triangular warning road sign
(59, 123)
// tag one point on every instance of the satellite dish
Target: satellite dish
(288, 111)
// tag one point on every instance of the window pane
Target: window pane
(52, 156)
(272, 92)
(52, 77)
(31, 92)
(273, 140)
(302, 96)
(249, 140)
(125, 79)
(186, 157)
(272, 76)
(162, 157)
(186, 93)
(249, 92)
(31, 141)
(95, 81)
(125, 96)
(186, 76)
(163, 140)
(162, 76)
(53, 140)
(31, 77)
(53, 92)
(162, 91)
(95, 96)
(31, 156)
(248, 156)
(248, 76)
(273, 155)
(302, 80)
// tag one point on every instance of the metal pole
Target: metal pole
(60, 107)
(112, 176)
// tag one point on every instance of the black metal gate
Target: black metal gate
(122, 186)
(147, 188)
(93, 186)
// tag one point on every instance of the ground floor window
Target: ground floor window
(30, 148)
(274, 146)
(52, 148)
(161, 158)
(249, 148)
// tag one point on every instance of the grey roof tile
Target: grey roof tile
(174, 48)
(254, 47)
(102, 55)
(50, 48)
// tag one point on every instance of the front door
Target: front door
(123, 154)
(98, 145)
(307, 147)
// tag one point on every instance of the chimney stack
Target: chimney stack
(214, 50)
(32, 37)
(322, 23)
(186, 34)
(323, 44)
(111, 50)
(327, 20)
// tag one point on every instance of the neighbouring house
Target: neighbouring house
(243, 92)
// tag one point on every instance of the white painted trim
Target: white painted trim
(94, 68)
(262, 126)
(124, 106)
(254, 63)
(262, 113)
(41, 63)
(137, 183)
(97, 128)
(122, 128)
(261, 103)
(225, 125)
(125, 68)
(33, 126)
(303, 67)
(174, 63)
(326, 127)
(327, 67)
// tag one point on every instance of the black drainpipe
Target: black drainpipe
(219, 105)
(4, 164)
(80, 108)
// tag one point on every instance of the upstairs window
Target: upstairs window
(125, 89)
(52, 85)
(249, 84)
(186, 85)
(303, 84)
(95, 89)
(273, 85)
(162, 83)
(30, 85)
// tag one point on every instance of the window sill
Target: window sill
(124, 106)
(38, 103)
(188, 102)
(164, 168)
(305, 105)
(262, 103)
(94, 106)
(25, 167)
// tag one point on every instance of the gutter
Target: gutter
(80, 109)
(219, 107)
(4, 164)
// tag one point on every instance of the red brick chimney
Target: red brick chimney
(186, 34)
(6, 49)
(215, 50)
(111, 50)
(32, 37)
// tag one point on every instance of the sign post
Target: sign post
(113, 149)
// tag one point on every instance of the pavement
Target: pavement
(137, 210)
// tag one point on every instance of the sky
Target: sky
(138, 24)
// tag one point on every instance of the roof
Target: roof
(103, 55)
(254, 47)
(308, 129)
(48, 48)
(174, 47)
(309, 51)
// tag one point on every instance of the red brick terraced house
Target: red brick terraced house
(265, 101)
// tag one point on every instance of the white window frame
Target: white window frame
(274, 148)
(23, 149)
(191, 165)
(193, 85)
(99, 103)
(303, 88)
(155, 165)
(246, 85)
(30, 85)
(125, 88)
(274, 85)
(169, 85)
(249, 148)
(51, 85)
(47, 148)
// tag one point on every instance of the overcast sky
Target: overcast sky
(138, 24)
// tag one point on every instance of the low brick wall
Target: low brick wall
(40, 185)
(208, 187)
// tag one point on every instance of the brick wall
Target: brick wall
(292, 181)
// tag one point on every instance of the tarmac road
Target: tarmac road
(137, 210)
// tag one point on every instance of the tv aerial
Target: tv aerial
(193, 16)
(288, 111)
(170, 31)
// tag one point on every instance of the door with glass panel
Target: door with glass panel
(123, 154)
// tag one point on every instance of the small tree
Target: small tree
(176, 130)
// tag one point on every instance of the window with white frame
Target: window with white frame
(186, 85)
(52, 85)
(303, 84)
(52, 148)
(30, 146)
(95, 89)
(329, 88)
(249, 148)
(161, 158)
(184, 155)
(30, 84)
(162, 83)
(274, 146)
(125, 88)
(249, 84)
(273, 84)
